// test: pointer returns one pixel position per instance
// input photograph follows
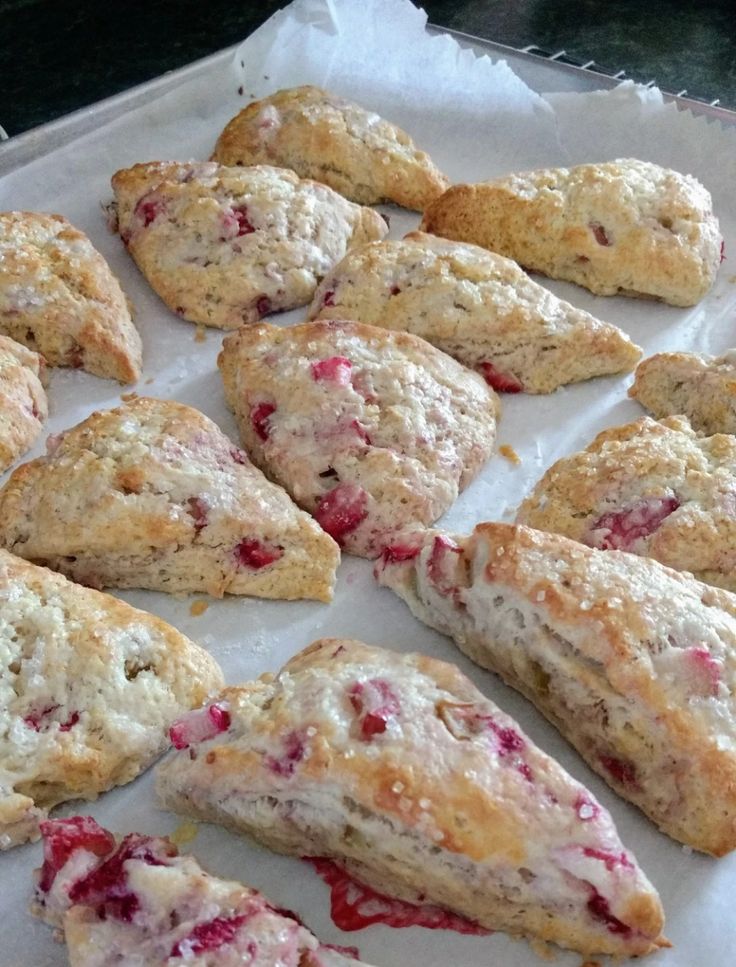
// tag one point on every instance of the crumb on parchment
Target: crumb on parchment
(198, 608)
(507, 451)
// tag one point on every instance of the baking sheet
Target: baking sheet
(477, 119)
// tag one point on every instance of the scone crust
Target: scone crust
(89, 687)
(625, 227)
(325, 137)
(152, 494)
(23, 403)
(369, 430)
(653, 488)
(478, 307)
(224, 246)
(59, 297)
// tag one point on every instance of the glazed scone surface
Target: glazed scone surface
(88, 686)
(23, 403)
(633, 662)
(153, 495)
(369, 430)
(702, 388)
(59, 297)
(477, 306)
(401, 770)
(653, 488)
(322, 136)
(625, 227)
(224, 246)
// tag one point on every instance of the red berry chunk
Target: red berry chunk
(328, 299)
(336, 369)
(259, 418)
(704, 671)
(39, 721)
(238, 456)
(599, 233)
(611, 860)
(62, 837)
(294, 749)
(197, 508)
(622, 772)
(442, 564)
(341, 510)
(600, 910)
(498, 380)
(395, 290)
(199, 725)
(620, 529)
(396, 553)
(375, 703)
(148, 209)
(263, 305)
(255, 554)
(361, 431)
(211, 936)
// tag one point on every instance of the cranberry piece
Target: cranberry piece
(623, 772)
(328, 299)
(611, 860)
(294, 749)
(376, 703)
(705, 670)
(599, 233)
(397, 553)
(498, 380)
(441, 565)
(62, 837)
(197, 508)
(263, 305)
(238, 456)
(35, 720)
(209, 936)
(619, 530)
(336, 369)
(199, 725)
(361, 431)
(341, 510)
(586, 809)
(526, 771)
(395, 290)
(259, 418)
(70, 722)
(236, 223)
(599, 909)
(148, 209)
(245, 226)
(255, 554)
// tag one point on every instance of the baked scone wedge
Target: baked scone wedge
(367, 429)
(653, 488)
(625, 227)
(153, 495)
(137, 897)
(23, 403)
(477, 306)
(322, 136)
(225, 246)
(399, 769)
(59, 298)
(702, 388)
(89, 687)
(633, 662)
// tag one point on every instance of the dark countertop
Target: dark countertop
(60, 55)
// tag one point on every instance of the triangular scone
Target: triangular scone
(479, 307)
(153, 495)
(367, 429)
(137, 897)
(59, 297)
(655, 489)
(399, 769)
(633, 662)
(223, 246)
(322, 136)
(626, 227)
(23, 403)
(88, 687)
(703, 388)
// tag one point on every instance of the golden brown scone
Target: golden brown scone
(223, 246)
(399, 769)
(633, 662)
(136, 897)
(368, 430)
(153, 495)
(478, 307)
(322, 136)
(23, 403)
(59, 297)
(656, 489)
(626, 227)
(88, 687)
(703, 388)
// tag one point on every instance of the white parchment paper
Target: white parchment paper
(477, 119)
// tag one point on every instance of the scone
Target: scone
(479, 307)
(224, 246)
(399, 769)
(626, 227)
(89, 688)
(633, 662)
(703, 388)
(136, 897)
(23, 403)
(322, 136)
(656, 489)
(59, 297)
(153, 495)
(369, 430)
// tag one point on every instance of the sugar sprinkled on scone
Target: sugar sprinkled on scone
(397, 768)
(23, 403)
